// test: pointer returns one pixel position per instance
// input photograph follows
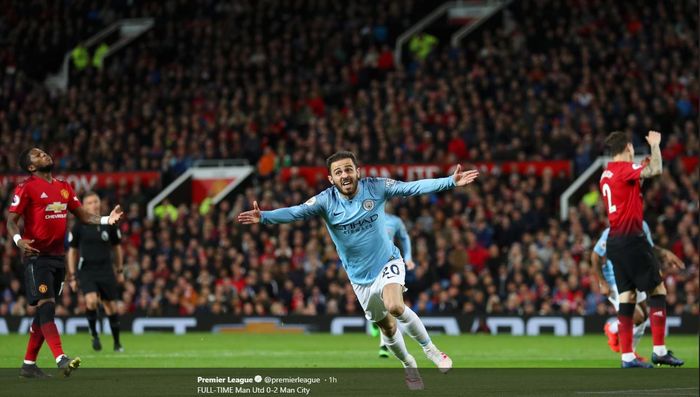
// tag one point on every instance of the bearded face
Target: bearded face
(345, 176)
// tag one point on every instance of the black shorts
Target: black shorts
(634, 263)
(43, 277)
(101, 281)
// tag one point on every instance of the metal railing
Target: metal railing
(204, 167)
(485, 10)
(128, 29)
(417, 27)
(466, 30)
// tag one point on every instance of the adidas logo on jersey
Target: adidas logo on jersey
(44, 195)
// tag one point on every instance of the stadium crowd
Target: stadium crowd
(302, 79)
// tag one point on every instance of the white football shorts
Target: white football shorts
(370, 295)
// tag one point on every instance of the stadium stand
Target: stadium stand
(286, 83)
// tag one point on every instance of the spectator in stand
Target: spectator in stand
(547, 86)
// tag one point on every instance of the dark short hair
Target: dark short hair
(341, 155)
(616, 142)
(25, 159)
(91, 193)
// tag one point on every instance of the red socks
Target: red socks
(657, 318)
(48, 328)
(625, 329)
(53, 339)
(36, 339)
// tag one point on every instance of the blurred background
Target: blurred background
(184, 112)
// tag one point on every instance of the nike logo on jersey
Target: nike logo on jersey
(43, 195)
(337, 213)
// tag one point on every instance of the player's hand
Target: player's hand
(604, 288)
(27, 249)
(120, 277)
(463, 178)
(115, 215)
(72, 282)
(653, 138)
(252, 216)
(410, 265)
(673, 261)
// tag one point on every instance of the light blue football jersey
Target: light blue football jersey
(358, 226)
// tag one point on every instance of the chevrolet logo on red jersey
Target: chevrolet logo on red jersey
(56, 207)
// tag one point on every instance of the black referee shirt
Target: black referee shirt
(94, 243)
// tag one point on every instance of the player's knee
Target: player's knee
(91, 301)
(657, 301)
(36, 322)
(628, 297)
(626, 309)
(659, 290)
(395, 308)
(640, 315)
(47, 311)
(388, 329)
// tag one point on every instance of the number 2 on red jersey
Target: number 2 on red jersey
(607, 193)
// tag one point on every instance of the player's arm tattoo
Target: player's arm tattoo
(87, 217)
(12, 227)
(655, 163)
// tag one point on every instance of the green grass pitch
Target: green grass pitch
(159, 364)
(206, 350)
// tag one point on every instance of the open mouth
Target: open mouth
(346, 183)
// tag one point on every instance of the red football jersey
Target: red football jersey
(621, 188)
(44, 207)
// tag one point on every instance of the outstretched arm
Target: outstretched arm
(655, 161)
(93, 219)
(423, 186)
(282, 215)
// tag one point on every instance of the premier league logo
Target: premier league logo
(368, 205)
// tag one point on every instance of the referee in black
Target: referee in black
(93, 249)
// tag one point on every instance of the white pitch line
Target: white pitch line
(642, 391)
